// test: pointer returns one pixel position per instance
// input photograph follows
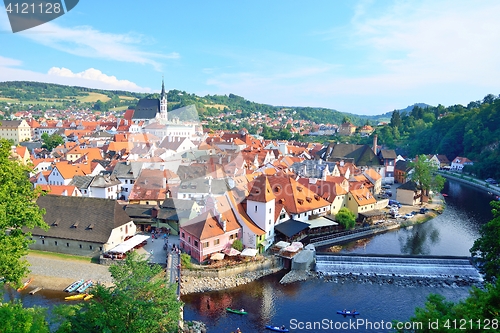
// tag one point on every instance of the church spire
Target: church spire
(162, 87)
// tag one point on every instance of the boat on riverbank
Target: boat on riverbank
(87, 284)
(25, 285)
(75, 297)
(277, 328)
(75, 285)
(348, 313)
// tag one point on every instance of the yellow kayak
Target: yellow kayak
(87, 297)
(75, 297)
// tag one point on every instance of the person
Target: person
(242, 310)
(282, 327)
(238, 330)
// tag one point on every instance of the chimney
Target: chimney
(375, 144)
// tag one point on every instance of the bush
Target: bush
(346, 218)
(238, 245)
(186, 261)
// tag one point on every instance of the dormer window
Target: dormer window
(75, 225)
(300, 201)
(91, 226)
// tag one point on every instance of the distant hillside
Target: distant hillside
(21, 95)
(406, 110)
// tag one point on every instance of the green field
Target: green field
(93, 97)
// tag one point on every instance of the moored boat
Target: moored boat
(72, 287)
(75, 297)
(241, 312)
(277, 328)
(25, 284)
(84, 286)
(88, 296)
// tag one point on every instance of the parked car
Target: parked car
(394, 202)
(387, 187)
(408, 216)
(424, 210)
(397, 216)
(491, 181)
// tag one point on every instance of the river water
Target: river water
(316, 301)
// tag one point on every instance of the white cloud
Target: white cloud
(91, 78)
(97, 76)
(85, 41)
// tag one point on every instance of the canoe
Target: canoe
(72, 287)
(348, 313)
(84, 286)
(75, 297)
(87, 297)
(25, 284)
(277, 328)
(236, 311)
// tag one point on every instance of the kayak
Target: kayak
(277, 328)
(75, 297)
(348, 313)
(236, 311)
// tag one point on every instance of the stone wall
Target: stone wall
(268, 263)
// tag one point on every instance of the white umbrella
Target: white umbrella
(249, 252)
(231, 252)
(217, 256)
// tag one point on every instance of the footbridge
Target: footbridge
(397, 265)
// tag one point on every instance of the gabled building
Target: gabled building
(81, 226)
(360, 201)
(459, 162)
(15, 130)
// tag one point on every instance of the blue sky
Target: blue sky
(362, 57)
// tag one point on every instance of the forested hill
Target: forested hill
(472, 131)
(19, 94)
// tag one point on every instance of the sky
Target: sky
(362, 57)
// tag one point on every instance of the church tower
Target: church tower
(163, 103)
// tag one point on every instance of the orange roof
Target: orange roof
(243, 215)
(373, 174)
(363, 197)
(261, 190)
(68, 171)
(67, 190)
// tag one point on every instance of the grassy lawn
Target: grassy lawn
(119, 108)
(61, 256)
(128, 98)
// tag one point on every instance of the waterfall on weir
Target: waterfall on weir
(400, 266)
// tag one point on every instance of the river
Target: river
(268, 302)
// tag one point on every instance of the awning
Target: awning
(291, 227)
(293, 248)
(282, 244)
(217, 256)
(249, 252)
(231, 252)
(321, 222)
(129, 244)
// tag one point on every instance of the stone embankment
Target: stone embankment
(198, 284)
(294, 276)
(194, 327)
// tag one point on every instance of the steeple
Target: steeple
(163, 103)
(162, 88)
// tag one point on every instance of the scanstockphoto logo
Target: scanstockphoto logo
(26, 14)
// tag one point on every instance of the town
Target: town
(149, 171)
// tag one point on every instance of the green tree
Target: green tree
(471, 314)
(487, 248)
(18, 213)
(425, 177)
(16, 318)
(346, 218)
(396, 119)
(139, 302)
(52, 141)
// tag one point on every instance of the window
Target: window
(55, 243)
(206, 244)
(282, 216)
(43, 241)
(183, 236)
(269, 210)
(91, 247)
(269, 222)
(67, 244)
(255, 207)
(196, 243)
(189, 239)
(216, 242)
(81, 246)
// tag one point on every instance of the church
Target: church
(151, 116)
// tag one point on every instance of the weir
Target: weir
(428, 266)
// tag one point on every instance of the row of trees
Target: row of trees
(139, 301)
